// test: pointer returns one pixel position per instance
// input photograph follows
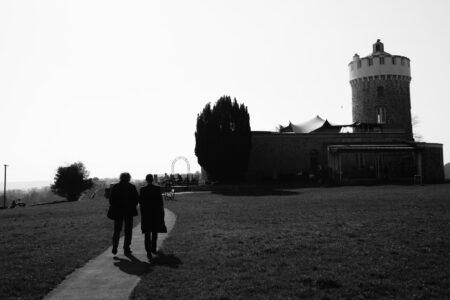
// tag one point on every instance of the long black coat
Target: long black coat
(152, 209)
(123, 201)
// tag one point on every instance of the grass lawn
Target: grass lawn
(40, 245)
(344, 242)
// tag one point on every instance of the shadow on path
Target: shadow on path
(104, 279)
(132, 265)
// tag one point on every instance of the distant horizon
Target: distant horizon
(118, 86)
(31, 184)
(24, 185)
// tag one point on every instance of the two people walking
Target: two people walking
(123, 201)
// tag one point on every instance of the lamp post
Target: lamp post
(4, 189)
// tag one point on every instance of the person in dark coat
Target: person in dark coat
(123, 201)
(152, 214)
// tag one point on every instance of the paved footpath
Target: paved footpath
(109, 277)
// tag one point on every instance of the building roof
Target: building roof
(315, 124)
(305, 127)
(319, 125)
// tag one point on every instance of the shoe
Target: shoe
(114, 250)
(149, 255)
(127, 251)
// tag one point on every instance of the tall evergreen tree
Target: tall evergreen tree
(223, 140)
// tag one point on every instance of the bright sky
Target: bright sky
(118, 84)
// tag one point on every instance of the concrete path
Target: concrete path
(109, 277)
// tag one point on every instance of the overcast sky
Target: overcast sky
(118, 84)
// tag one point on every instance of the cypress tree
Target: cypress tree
(223, 140)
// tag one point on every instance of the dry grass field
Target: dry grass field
(320, 243)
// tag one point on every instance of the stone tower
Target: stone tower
(380, 90)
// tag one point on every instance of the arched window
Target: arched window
(381, 115)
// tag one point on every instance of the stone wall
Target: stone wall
(277, 155)
(393, 94)
(432, 162)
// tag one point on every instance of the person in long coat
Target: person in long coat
(123, 201)
(152, 214)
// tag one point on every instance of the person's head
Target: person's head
(149, 178)
(125, 177)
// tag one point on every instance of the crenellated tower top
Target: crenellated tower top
(379, 63)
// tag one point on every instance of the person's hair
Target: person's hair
(125, 177)
(149, 178)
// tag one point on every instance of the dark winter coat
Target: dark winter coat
(123, 201)
(152, 209)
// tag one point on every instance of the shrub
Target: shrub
(71, 181)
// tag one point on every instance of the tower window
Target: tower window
(380, 91)
(381, 115)
(370, 61)
(393, 60)
(381, 60)
(359, 64)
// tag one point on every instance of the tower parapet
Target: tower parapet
(380, 89)
(379, 63)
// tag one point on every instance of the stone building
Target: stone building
(378, 146)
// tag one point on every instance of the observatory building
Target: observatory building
(380, 90)
(377, 146)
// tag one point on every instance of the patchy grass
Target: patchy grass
(40, 245)
(347, 242)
